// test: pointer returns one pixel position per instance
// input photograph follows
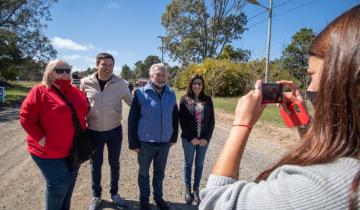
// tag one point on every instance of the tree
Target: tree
(21, 25)
(10, 54)
(88, 71)
(150, 60)
(235, 55)
(142, 68)
(140, 71)
(172, 73)
(33, 72)
(194, 34)
(126, 73)
(295, 56)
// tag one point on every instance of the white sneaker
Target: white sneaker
(119, 201)
(95, 202)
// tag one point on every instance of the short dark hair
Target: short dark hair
(104, 55)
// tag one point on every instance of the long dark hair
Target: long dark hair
(190, 93)
(335, 132)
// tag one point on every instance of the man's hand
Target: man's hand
(137, 150)
(203, 142)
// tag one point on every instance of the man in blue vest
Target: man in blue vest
(152, 129)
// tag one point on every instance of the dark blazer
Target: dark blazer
(188, 123)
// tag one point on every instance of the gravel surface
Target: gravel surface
(22, 185)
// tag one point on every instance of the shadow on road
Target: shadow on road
(135, 205)
(9, 113)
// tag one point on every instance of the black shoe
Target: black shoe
(162, 204)
(144, 206)
(196, 196)
(188, 196)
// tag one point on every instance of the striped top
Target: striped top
(322, 186)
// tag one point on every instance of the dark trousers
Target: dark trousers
(158, 153)
(113, 140)
(60, 181)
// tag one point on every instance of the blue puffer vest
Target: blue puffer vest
(155, 123)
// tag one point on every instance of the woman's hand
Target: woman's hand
(248, 111)
(295, 92)
(249, 107)
(293, 96)
(195, 141)
(203, 142)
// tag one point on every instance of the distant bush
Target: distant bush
(226, 78)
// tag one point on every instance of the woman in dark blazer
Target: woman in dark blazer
(197, 123)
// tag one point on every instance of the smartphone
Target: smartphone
(271, 93)
(298, 114)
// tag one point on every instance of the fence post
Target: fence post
(2, 94)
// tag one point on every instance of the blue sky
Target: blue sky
(129, 29)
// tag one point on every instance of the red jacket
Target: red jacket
(44, 113)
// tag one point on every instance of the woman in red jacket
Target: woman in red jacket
(47, 121)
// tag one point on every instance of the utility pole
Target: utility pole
(162, 48)
(269, 9)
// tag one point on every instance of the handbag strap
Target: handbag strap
(73, 112)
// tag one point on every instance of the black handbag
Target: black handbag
(83, 147)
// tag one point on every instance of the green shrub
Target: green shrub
(222, 77)
(225, 78)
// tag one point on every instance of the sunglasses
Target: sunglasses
(61, 71)
(197, 83)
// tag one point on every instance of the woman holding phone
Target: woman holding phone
(323, 170)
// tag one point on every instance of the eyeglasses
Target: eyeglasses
(61, 71)
(197, 83)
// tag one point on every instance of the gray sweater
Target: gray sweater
(323, 186)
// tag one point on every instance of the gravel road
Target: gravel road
(22, 186)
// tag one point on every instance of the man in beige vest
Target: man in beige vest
(105, 92)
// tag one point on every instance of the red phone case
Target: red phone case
(298, 115)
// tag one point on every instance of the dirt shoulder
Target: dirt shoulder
(22, 186)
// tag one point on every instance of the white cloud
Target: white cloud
(63, 43)
(112, 52)
(113, 5)
(76, 57)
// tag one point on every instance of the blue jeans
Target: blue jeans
(190, 151)
(113, 140)
(157, 152)
(60, 181)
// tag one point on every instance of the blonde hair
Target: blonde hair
(46, 80)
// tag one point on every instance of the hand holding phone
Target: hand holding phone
(297, 115)
(271, 93)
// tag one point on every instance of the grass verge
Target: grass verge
(16, 92)
(228, 104)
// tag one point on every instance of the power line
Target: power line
(265, 11)
(287, 11)
(281, 4)
(295, 8)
